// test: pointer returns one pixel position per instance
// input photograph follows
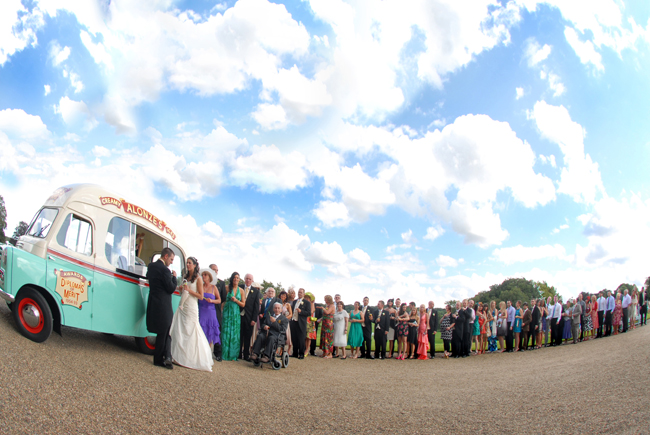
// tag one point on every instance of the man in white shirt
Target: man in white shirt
(555, 322)
(609, 312)
(602, 305)
(549, 316)
(625, 303)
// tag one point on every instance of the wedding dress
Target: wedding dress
(190, 347)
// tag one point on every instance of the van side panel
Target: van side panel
(118, 306)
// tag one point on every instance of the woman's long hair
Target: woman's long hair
(195, 274)
(232, 278)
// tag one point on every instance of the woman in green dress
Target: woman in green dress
(355, 334)
(230, 342)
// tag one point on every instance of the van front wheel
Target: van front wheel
(32, 315)
(147, 345)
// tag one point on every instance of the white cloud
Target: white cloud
(360, 255)
(100, 151)
(269, 169)
(325, 253)
(580, 177)
(58, 54)
(16, 123)
(271, 116)
(76, 112)
(18, 27)
(584, 49)
(333, 214)
(548, 160)
(555, 84)
(519, 93)
(519, 253)
(446, 261)
(47, 90)
(434, 232)
(317, 229)
(407, 237)
(534, 53)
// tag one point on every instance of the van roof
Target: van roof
(98, 196)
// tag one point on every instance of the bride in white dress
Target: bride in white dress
(190, 347)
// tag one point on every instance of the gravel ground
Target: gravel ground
(86, 382)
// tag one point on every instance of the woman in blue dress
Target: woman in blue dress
(567, 315)
(230, 339)
(517, 326)
(492, 327)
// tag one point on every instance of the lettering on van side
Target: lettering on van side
(138, 211)
(72, 287)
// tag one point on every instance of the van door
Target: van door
(70, 270)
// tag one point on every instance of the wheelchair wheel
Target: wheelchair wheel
(276, 364)
(285, 360)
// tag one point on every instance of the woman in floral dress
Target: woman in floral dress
(327, 328)
(311, 326)
(230, 340)
(618, 314)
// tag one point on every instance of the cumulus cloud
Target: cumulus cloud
(534, 53)
(434, 232)
(580, 176)
(16, 123)
(75, 113)
(519, 253)
(270, 170)
(18, 27)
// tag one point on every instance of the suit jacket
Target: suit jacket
(318, 313)
(433, 320)
(162, 285)
(305, 311)
(251, 306)
(382, 322)
(535, 313)
(221, 288)
(525, 321)
(459, 324)
(268, 309)
(278, 327)
(367, 323)
(468, 318)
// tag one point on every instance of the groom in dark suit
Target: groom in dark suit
(382, 324)
(249, 315)
(162, 284)
(433, 325)
(301, 309)
(366, 328)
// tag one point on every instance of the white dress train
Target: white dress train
(190, 347)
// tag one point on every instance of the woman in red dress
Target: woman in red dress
(423, 340)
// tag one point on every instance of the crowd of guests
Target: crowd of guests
(232, 316)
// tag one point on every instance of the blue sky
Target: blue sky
(425, 150)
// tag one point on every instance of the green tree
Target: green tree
(544, 289)
(20, 230)
(512, 289)
(625, 286)
(3, 219)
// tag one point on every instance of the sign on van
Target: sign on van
(138, 211)
(72, 287)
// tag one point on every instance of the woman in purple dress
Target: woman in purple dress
(207, 308)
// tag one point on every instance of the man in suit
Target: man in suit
(510, 319)
(576, 315)
(433, 325)
(301, 309)
(318, 314)
(468, 328)
(609, 312)
(382, 323)
(458, 331)
(366, 328)
(535, 315)
(525, 327)
(275, 324)
(602, 305)
(267, 304)
(162, 284)
(221, 288)
(643, 307)
(249, 315)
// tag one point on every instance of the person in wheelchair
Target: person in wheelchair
(275, 327)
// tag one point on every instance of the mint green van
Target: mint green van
(83, 264)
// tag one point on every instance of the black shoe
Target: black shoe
(335, 356)
(370, 357)
(218, 359)
(247, 359)
(301, 357)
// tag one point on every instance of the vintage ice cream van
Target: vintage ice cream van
(83, 264)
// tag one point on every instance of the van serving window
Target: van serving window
(120, 244)
(76, 234)
(42, 222)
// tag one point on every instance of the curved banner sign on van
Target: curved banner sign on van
(138, 211)
(72, 287)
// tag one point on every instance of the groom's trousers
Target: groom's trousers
(163, 348)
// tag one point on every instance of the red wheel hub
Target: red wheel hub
(148, 343)
(30, 304)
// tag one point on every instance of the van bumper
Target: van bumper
(7, 297)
